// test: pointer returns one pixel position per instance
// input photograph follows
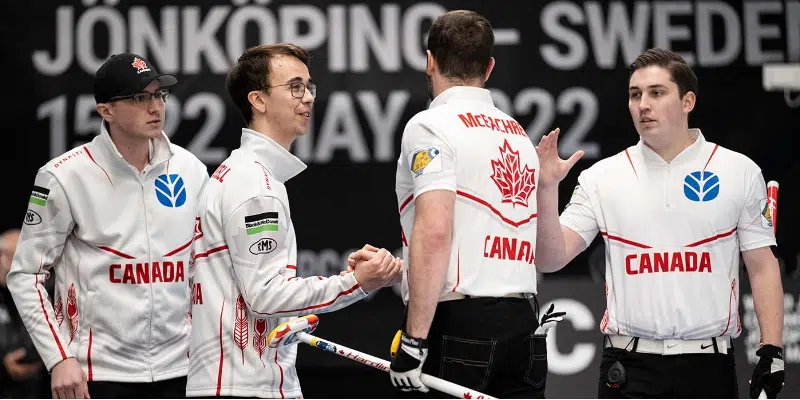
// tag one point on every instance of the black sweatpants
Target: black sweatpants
(684, 376)
(168, 389)
(486, 344)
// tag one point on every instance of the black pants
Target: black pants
(486, 344)
(168, 389)
(685, 376)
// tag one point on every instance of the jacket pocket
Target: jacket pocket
(467, 362)
(536, 374)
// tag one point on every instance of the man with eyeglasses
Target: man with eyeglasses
(244, 272)
(115, 217)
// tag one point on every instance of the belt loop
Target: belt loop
(714, 342)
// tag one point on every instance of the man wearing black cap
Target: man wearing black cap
(116, 218)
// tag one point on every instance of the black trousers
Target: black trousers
(486, 344)
(168, 389)
(684, 376)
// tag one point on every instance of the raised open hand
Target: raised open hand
(552, 169)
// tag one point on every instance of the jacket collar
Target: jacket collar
(687, 155)
(280, 162)
(160, 148)
(463, 92)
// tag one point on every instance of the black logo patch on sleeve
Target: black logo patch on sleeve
(264, 246)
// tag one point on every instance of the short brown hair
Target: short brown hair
(679, 70)
(251, 72)
(462, 43)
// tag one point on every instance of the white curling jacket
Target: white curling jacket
(118, 241)
(244, 280)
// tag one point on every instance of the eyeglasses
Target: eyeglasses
(299, 89)
(144, 97)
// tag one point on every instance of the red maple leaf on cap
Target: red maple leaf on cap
(467, 395)
(138, 63)
(516, 182)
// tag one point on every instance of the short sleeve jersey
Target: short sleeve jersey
(464, 144)
(673, 234)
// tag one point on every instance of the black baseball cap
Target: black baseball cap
(126, 74)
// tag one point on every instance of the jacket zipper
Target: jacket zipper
(150, 264)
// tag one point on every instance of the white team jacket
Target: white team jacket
(463, 143)
(119, 243)
(243, 277)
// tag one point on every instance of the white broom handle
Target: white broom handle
(441, 385)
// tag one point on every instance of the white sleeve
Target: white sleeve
(47, 224)
(429, 157)
(755, 225)
(578, 214)
(256, 234)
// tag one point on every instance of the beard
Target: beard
(429, 86)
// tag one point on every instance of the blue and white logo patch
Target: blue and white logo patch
(170, 190)
(701, 186)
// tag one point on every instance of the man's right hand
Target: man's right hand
(19, 370)
(552, 169)
(366, 253)
(373, 273)
(68, 381)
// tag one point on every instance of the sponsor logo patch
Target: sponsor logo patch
(701, 186)
(766, 214)
(39, 196)
(170, 190)
(425, 160)
(264, 246)
(264, 222)
(32, 218)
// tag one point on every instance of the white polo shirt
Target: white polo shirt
(464, 144)
(673, 234)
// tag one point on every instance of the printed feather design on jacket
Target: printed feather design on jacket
(240, 328)
(58, 307)
(260, 337)
(72, 312)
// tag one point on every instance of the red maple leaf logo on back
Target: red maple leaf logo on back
(516, 182)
